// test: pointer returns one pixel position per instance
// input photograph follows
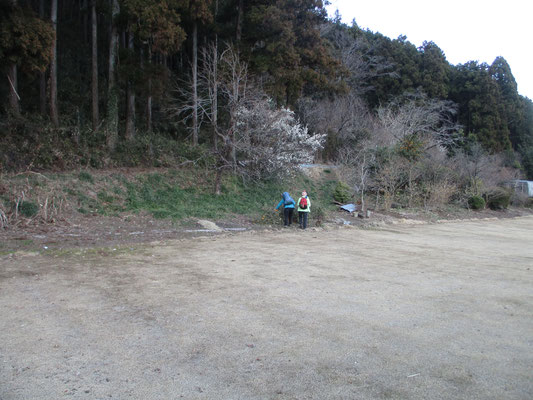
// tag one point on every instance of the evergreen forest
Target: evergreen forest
(248, 88)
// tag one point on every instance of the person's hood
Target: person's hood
(287, 197)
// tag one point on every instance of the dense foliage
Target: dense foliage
(133, 76)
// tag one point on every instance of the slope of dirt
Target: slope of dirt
(434, 311)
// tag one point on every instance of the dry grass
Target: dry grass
(440, 193)
(45, 194)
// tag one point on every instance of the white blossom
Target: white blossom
(271, 140)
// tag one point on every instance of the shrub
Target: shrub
(476, 202)
(342, 192)
(519, 199)
(318, 215)
(439, 194)
(498, 199)
(28, 208)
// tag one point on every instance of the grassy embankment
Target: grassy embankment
(178, 194)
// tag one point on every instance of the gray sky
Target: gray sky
(465, 30)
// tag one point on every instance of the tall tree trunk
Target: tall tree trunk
(218, 181)
(410, 184)
(13, 83)
(112, 90)
(231, 138)
(130, 112)
(13, 89)
(215, 85)
(149, 95)
(85, 16)
(195, 84)
(223, 155)
(53, 68)
(240, 12)
(94, 24)
(215, 94)
(42, 75)
(42, 93)
(363, 181)
(149, 106)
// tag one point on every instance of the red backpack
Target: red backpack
(303, 203)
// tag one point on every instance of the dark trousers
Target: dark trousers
(287, 216)
(302, 219)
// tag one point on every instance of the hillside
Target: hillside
(115, 84)
(97, 205)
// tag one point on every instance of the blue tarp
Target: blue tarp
(349, 207)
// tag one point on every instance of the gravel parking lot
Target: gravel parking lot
(435, 311)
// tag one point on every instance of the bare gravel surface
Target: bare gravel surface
(432, 311)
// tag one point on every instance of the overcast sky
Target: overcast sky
(464, 30)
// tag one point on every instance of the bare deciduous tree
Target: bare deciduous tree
(345, 118)
(389, 178)
(254, 138)
(428, 119)
(479, 171)
(394, 142)
(195, 124)
(360, 60)
(356, 165)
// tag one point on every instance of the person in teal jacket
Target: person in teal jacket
(304, 208)
(288, 208)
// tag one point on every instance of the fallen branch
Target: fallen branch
(13, 87)
(31, 172)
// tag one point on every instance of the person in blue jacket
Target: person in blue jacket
(288, 208)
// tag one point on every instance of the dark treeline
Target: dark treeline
(87, 82)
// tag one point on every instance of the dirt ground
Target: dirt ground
(432, 311)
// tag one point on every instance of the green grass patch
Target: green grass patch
(184, 195)
(105, 197)
(85, 176)
(168, 200)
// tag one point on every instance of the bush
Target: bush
(476, 202)
(498, 199)
(318, 215)
(28, 209)
(29, 140)
(519, 199)
(438, 194)
(342, 192)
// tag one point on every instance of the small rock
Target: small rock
(209, 225)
